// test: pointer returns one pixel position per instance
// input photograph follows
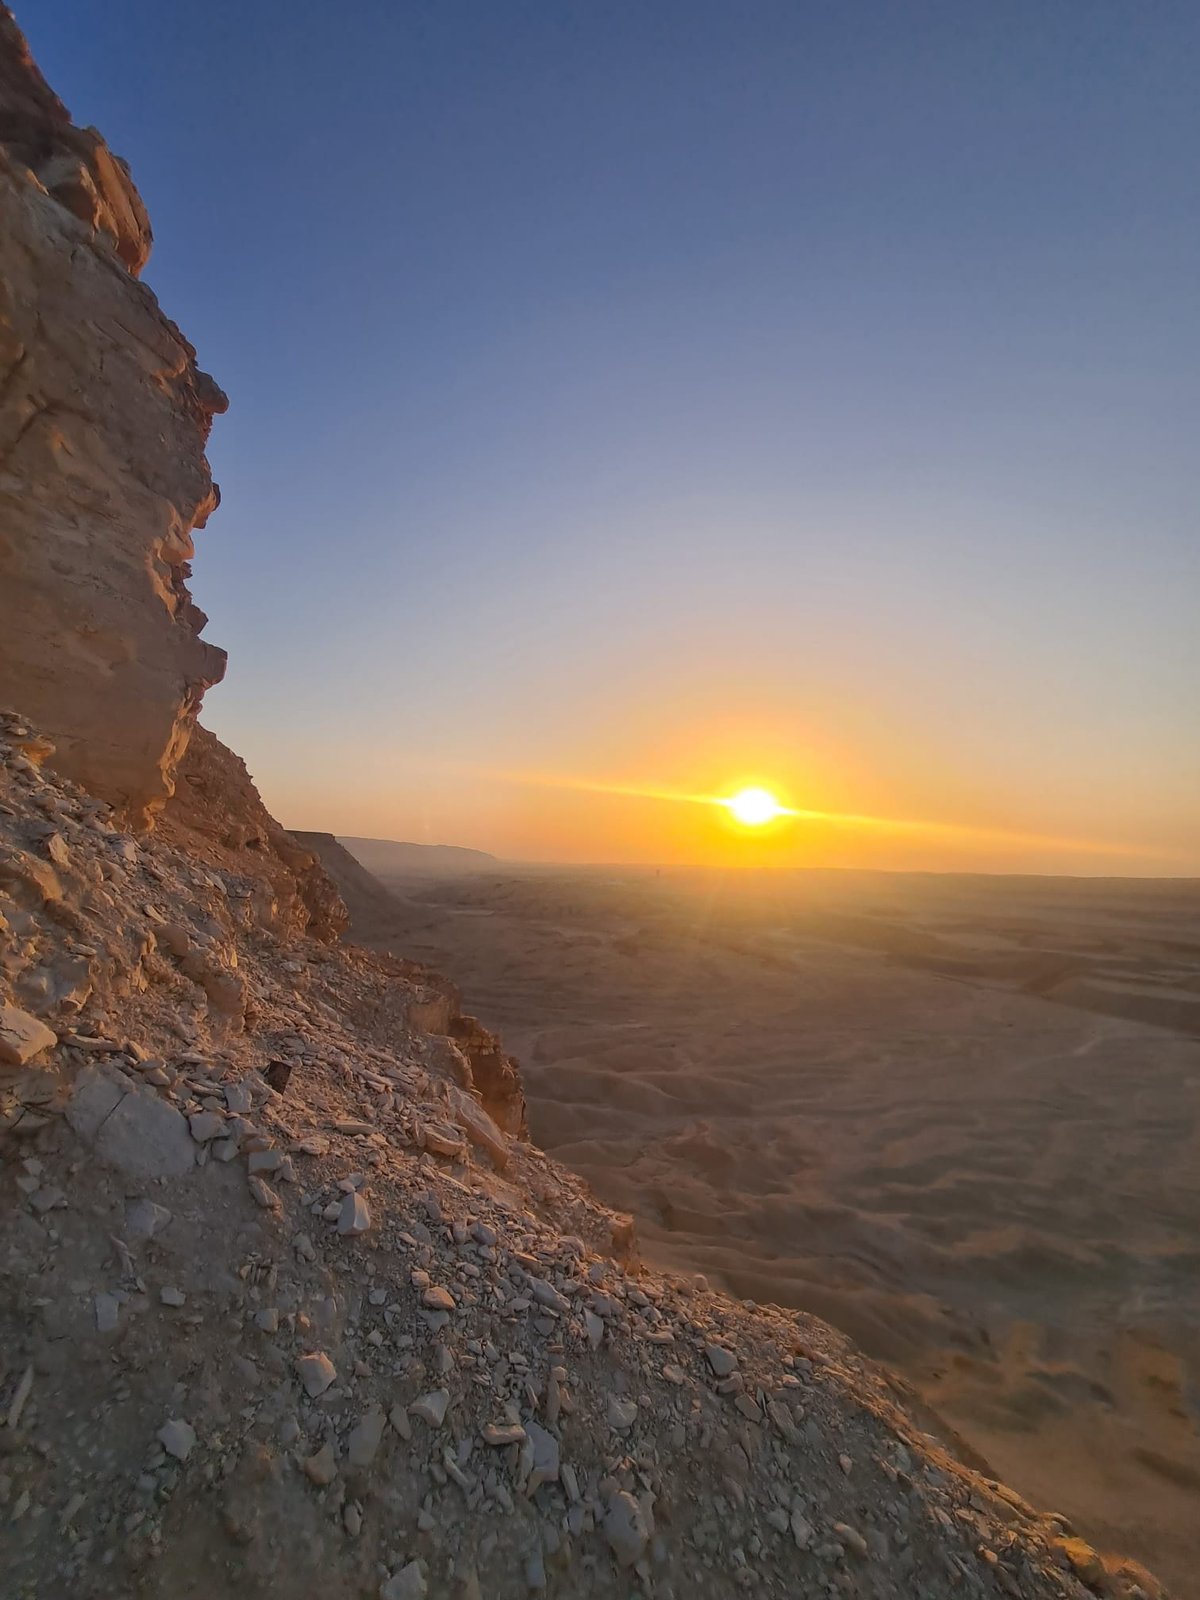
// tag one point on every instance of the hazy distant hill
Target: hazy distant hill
(394, 856)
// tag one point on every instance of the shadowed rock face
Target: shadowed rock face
(217, 815)
(104, 417)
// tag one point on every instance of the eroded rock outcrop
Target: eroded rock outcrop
(217, 814)
(104, 417)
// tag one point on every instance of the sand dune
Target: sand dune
(932, 1110)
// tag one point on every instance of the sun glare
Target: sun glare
(753, 807)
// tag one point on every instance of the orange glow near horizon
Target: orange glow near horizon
(759, 821)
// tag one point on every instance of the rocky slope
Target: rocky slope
(283, 1311)
(289, 1305)
(104, 417)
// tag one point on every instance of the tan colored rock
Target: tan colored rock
(104, 417)
(22, 1037)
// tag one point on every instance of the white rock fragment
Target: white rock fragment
(548, 1296)
(177, 1438)
(239, 1099)
(439, 1299)
(545, 1456)
(364, 1440)
(108, 1313)
(20, 1395)
(130, 1128)
(625, 1529)
(431, 1408)
(316, 1373)
(803, 1531)
(144, 1219)
(170, 1296)
(622, 1413)
(722, 1361)
(205, 1125)
(594, 1329)
(407, 1584)
(354, 1215)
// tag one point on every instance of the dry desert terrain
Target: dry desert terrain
(955, 1116)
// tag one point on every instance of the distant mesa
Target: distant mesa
(397, 857)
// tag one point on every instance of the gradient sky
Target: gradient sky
(671, 395)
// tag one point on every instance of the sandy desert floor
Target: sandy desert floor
(955, 1116)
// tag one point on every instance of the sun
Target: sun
(754, 807)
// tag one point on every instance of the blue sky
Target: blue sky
(627, 390)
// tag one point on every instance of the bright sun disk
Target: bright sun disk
(753, 807)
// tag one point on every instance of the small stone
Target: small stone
(20, 1396)
(398, 1418)
(223, 1149)
(364, 1440)
(431, 1408)
(239, 1099)
(263, 1195)
(723, 1362)
(316, 1373)
(267, 1320)
(622, 1413)
(803, 1531)
(625, 1529)
(675, 1375)
(438, 1299)
(851, 1540)
(547, 1295)
(321, 1468)
(144, 1219)
(354, 1216)
(500, 1434)
(264, 1161)
(407, 1584)
(545, 1456)
(352, 1518)
(594, 1329)
(205, 1125)
(172, 1297)
(177, 1438)
(108, 1313)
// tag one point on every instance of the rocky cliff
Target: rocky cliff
(104, 416)
(288, 1304)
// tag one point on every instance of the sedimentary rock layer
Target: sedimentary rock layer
(104, 417)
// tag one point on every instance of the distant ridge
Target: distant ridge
(399, 856)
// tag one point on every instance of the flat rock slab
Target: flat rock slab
(129, 1127)
(22, 1037)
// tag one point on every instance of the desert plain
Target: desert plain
(956, 1116)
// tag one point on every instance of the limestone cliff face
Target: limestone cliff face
(104, 417)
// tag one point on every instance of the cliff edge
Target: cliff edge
(104, 417)
(289, 1305)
